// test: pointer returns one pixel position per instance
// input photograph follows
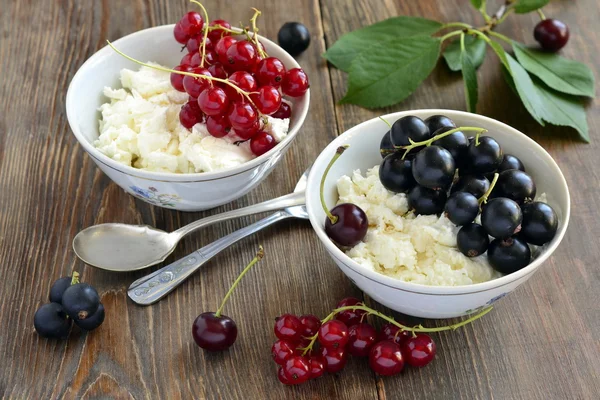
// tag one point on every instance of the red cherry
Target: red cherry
(242, 79)
(551, 34)
(333, 334)
(214, 333)
(217, 34)
(288, 327)
(317, 366)
(270, 71)
(194, 44)
(285, 111)
(335, 359)
(310, 323)
(213, 101)
(218, 126)
(351, 225)
(248, 133)
(221, 48)
(241, 56)
(194, 86)
(350, 317)
(191, 23)
(295, 83)
(297, 370)
(177, 79)
(393, 333)
(190, 114)
(418, 351)
(267, 100)
(281, 351)
(385, 358)
(361, 338)
(282, 378)
(187, 60)
(260, 143)
(242, 115)
(179, 34)
(217, 70)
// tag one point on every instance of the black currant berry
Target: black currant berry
(461, 208)
(58, 288)
(551, 34)
(540, 223)
(515, 185)
(477, 185)
(293, 37)
(425, 201)
(93, 321)
(501, 217)
(434, 167)
(510, 162)
(472, 240)
(485, 157)
(80, 301)
(409, 127)
(456, 143)
(51, 321)
(508, 255)
(386, 147)
(351, 225)
(396, 174)
(436, 122)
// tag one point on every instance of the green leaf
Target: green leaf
(386, 75)
(559, 73)
(500, 52)
(525, 6)
(349, 46)
(475, 47)
(476, 4)
(470, 80)
(525, 88)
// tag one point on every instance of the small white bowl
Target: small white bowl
(185, 192)
(416, 299)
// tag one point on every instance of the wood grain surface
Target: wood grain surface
(542, 342)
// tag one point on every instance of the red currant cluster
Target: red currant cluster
(234, 83)
(345, 332)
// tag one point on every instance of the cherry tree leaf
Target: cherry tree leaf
(525, 6)
(469, 78)
(475, 47)
(476, 4)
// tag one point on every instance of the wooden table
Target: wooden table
(541, 342)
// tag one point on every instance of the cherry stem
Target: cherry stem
(541, 14)
(483, 199)
(255, 33)
(259, 255)
(75, 278)
(455, 25)
(501, 36)
(337, 155)
(449, 35)
(387, 123)
(428, 142)
(203, 53)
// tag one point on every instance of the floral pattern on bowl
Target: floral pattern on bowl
(151, 195)
(489, 303)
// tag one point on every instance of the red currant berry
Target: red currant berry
(297, 370)
(217, 70)
(288, 327)
(335, 359)
(281, 351)
(179, 34)
(218, 126)
(317, 366)
(350, 317)
(418, 351)
(261, 143)
(551, 34)
(190, 114)
(385, 358)
(270, 71)
(216, 34)
(242, 79)
(187, 60)
(241, 56)
(393, 333)
(213, 101)
(191, 23)
(285, 111)
(248, 133)
(333, 334)
(282, 378)
(194, 86)
(242, 115)
(361, 338)
(295, 83)
(194, 44)
(211, 57)
(310, 323)
(177, 79)
(267, 100)
(221, 48)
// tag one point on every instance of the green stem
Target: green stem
(337, 155)
(480, 34)
(387, 123)
(462, 43)
(255, 33)
(449, 35)
(455, 25)
(203, 53)
(259, 255)
(75, 278)
(505, 15)
(428, 142)
(483, 199)
(501, 36)
(541, 14)
(483, 11)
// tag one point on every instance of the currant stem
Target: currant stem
(257, 13)
(428, 142)
(203, 54)
(387, 123)
(75, 278)
(337, 155)
(259, 255)
(483, 199)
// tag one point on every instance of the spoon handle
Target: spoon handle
(153, 287)
(289, 200)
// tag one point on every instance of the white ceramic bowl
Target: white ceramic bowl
(416, 299)
(185, 192)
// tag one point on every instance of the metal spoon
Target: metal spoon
(122, 247)
(153, 287)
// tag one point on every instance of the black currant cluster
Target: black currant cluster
(443, 171)
(70, 301)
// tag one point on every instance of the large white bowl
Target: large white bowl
(416, 299)
(185, 192)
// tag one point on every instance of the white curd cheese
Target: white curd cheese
(140, 127)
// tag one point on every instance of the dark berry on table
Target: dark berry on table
(386, 358)
(297, 370)
(509, 255)
(386, 147)
(262, 142)
(501, 217)
(267, 99)
(361, 338)
(333, 334)
(350, 317)
(191, 23)
(540, 223)
(80, 301)
(396, 174)
(477, 185)
(551, 34)
(310, 325)
(472, 240)
(456, 143)
(190, 114)
(351, 225)
(425, 201)
(295, 83)
(58, 288)
(485, 157)
(317, 366)
(409, 127)
(282, 378)
(94, 321)
(335, 358)
(288, 327)
(241, 56)
(51, 321)
(282, 350)
(516, 185)
(510, 162)
(394, 333)
(293, 37)
(418, 351)
(461, 208)
(434, 167)
(214, 333)
(216, 34)
(177, 79)
(436, 122)
(270, 71)
(284, 112)
(213, 101)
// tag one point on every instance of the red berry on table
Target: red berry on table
(241, 56)
(191, 23)
(285, 111)
(177, 79)
(282, 378)
(267, 100)
(333, 334)
(179, 34)
(270, 71)
(282, 350)
(242, 115)
(295, 83)
(243, 80)
(361, 338)
(194, 86)
(418, 351)
(551, 34)
(213, 101)
(317, 366)
(188, 60)
(190, 114)
(248, 133)
(288, 327)
(297, 370)
(393, 333)
(222, 46)
(260, 143)
(214, 333)
(335, 358)
(311, 324)
(216, 69)
(216, 34)
(350, 317)
(218, 126)
(385, 358)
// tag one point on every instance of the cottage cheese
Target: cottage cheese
(420, 249)
(140, 128)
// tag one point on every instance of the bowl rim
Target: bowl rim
(105, 51)
(313, 184)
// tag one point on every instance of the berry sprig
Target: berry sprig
(429, 142)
